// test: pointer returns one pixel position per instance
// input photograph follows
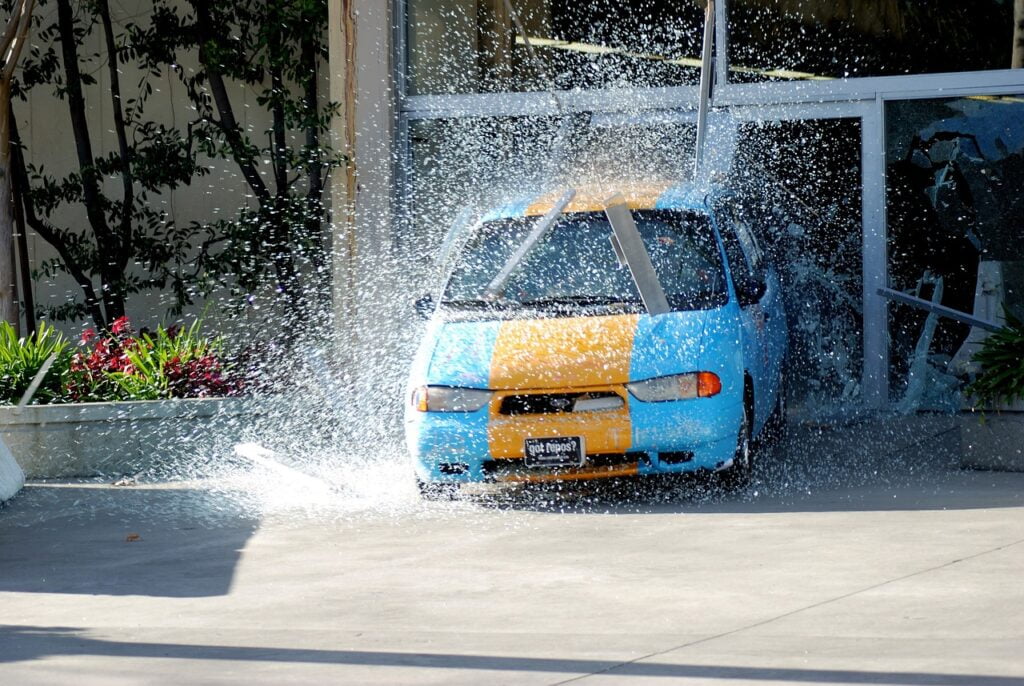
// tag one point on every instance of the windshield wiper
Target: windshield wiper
(482, 303)
(579, 300)
(540, 229)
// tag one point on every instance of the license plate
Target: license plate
(563, 451)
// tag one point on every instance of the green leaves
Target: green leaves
(169, 363)
(153, 359)
(1002, 365)
(21, 359)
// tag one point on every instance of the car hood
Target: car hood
(562, 352)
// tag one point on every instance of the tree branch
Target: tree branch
(80, 124)
(312, 101)
(15, 36)
(127, 180)
(228, 123)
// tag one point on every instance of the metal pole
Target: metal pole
(876, 259)
(497, 286)
(935, 308)
(705, 87)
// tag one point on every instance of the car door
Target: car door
(757, 293)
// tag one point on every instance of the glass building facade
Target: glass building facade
(884, 140)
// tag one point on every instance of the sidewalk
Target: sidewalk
(836, 568)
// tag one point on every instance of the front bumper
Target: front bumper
(641, 438)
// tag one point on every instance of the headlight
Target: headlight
(449, 399)
(678, 387)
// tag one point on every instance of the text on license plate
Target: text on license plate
(561, 451)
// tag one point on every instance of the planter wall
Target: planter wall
(993, 438)
(106, 439)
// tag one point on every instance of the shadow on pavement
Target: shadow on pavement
(86, 539)
(19, 644)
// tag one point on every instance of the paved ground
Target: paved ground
(867, 568)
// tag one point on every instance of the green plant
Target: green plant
(1002, 365)
(168, 363)
(22, 358)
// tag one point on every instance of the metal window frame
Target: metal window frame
(863, 98)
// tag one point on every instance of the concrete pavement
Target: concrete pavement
(908, 576)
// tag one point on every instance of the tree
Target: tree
(276, 48)
(19, 22)
(274, 242)
(125, 246)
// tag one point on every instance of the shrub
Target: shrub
(169, 363)
(1002, 365)
(22, 358)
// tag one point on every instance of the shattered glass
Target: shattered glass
(954, 182)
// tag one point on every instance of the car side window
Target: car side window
(742, 249)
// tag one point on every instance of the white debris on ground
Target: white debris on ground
(11, 477)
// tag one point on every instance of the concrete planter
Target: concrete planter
(993, 438)
(106, 439)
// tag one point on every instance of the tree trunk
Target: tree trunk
(19, 23)
(8, 303)
(1017, 61)
(314, 212)
(107, 241)
(27, 296)
(19, 177)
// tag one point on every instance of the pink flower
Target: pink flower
(87, 336)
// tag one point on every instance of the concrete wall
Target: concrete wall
(160, 437)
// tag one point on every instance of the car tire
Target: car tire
(435, 491)
(738, 475)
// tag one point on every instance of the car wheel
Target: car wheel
(738, 475)
(434, 491)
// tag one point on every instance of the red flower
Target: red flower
(121, 325)
(87, 336)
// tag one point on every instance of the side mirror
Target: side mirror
(750, 290)
(425, 306)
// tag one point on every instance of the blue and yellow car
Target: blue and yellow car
(595, 334)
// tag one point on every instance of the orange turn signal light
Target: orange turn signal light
(708, 384)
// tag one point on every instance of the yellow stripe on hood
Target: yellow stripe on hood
(563, 352)
(591, 198)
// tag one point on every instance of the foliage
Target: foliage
(271, 240)
(21, 359)
(1002, 365)
(124, 243)
(275, 48)
(170, 363)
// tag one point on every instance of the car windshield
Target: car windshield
(576, 263)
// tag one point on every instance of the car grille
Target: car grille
(556, 403)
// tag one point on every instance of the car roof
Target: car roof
(593, 197)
